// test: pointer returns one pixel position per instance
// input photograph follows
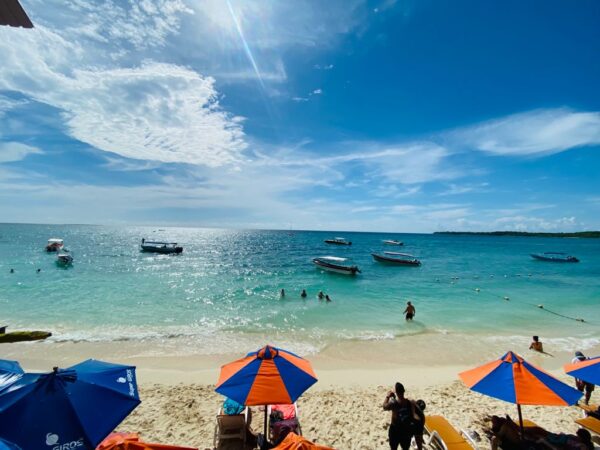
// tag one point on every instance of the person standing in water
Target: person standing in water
(327, 299)
(282, 293)
(303, 294)
(321, 295)
(410, 311)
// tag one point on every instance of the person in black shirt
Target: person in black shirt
(407, 419)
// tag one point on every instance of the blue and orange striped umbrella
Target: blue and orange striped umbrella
(514, 380)
(268, 376)
(587, 370)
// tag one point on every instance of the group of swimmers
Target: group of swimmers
(303, 294)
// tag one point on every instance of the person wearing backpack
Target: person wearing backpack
(406, 416)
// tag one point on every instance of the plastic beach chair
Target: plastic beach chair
(590, 423)
(291, 423)
(230, 427)
(443, 436)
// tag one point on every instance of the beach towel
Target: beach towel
(294, 442)
(288, 411)
(231, 407)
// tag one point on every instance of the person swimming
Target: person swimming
(303, 294)
(321, 295)
(282, 293)
(327, 299)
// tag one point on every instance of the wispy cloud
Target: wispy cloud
(16, 151)
(534, 133)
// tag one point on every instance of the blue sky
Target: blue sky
(386, 115)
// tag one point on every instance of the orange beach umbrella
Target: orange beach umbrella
(514, 380)
(131, 441)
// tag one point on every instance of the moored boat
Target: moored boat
(54, 245)
(335, 264)
(161, 247)
(396, 258)
(338, 241)
(554, 257)
(64, 259)
(392, 242)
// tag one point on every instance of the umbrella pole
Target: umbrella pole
(521, 421)
(265, 429)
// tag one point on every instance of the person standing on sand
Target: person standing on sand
(536, 345)
(580, 384)
(410, 311)
(406, 416)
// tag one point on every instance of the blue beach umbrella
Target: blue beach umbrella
(10, 371)
(5, 445)
(587, 370)
(73, 408)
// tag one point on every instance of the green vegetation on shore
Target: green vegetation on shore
(578, 234)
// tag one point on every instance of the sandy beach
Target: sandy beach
(342, 410)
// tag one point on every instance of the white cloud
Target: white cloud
(153, 111)
(16, 151)
(317, 92)
(7, 104)
(534, 133)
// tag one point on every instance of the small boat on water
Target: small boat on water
(396, 258)
(64, 259)
(54, 245)
(392, 242)
(338, 241)
(554, 257)
(335, 264)
(160, 247)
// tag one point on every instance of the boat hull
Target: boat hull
(336, 268)
(334, 242)
(567, 259)
(393, 243)
(167, 250)
(396, 261)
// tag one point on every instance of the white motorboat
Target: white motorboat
(338, 241)
(335, 264)
(54, 245)
(64, 259)
(392, 242)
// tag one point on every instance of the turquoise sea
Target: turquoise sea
(224, 289)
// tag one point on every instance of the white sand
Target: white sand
(342, 410)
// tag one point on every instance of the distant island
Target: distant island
(578, 234)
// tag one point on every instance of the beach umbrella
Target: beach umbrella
(514, 380)
(10, 371)
(5, 445)
(131, 441)
(73, 408)
(266, 377)
(587, 370)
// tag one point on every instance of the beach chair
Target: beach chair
(291, 422)
(229, 427)
(589, 423)
(443, 436)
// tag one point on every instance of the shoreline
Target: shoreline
(422, 360)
